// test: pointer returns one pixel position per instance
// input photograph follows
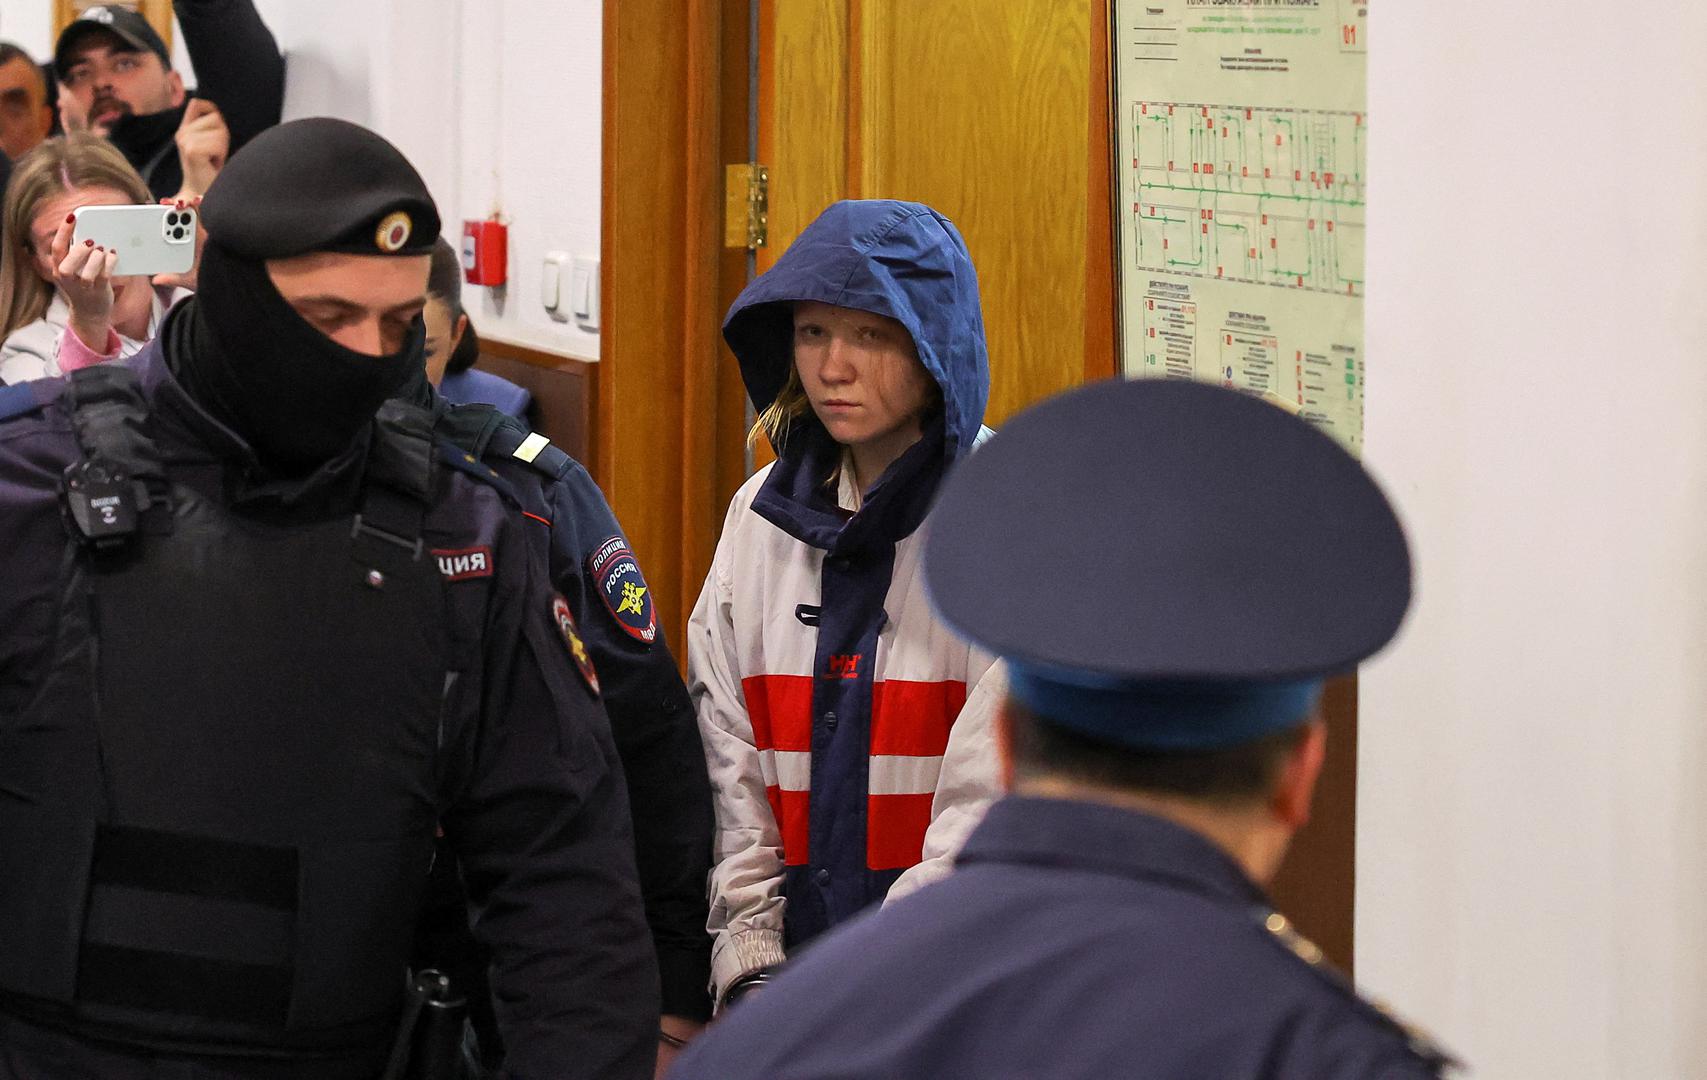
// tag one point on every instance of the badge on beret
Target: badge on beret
(572, 638)
(393, 232)
(98, 14)
(616, 576)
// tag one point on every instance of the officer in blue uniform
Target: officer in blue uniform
(259, 643)
(1190, 564)
(593, 566)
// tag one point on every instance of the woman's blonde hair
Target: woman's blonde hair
(56, 167)
(790, 404)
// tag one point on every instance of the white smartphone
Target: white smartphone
(149, 239)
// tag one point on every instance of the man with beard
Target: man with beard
(263, 637)
(116, 79)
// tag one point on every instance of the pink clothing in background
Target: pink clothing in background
(74, 354)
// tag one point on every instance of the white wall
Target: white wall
(497, 102)
(29, 24)
(1532, 873)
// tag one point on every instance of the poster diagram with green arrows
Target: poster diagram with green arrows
(1243, 144)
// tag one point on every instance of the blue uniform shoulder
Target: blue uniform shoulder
(514, 440)
(22, 399)
(1280, 932)
(495, 436)
(469, 465)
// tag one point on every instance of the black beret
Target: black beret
(1167, 564)
(320, 185)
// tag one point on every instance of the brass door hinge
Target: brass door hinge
(746, 206)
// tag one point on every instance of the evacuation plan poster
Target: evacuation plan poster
(1242, 141)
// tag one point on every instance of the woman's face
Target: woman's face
(862, 374)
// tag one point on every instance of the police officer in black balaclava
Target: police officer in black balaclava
(262, 637)
(296, 383)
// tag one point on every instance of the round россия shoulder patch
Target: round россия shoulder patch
(619, 583)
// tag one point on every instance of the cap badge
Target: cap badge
(393, 232)
(98, 14)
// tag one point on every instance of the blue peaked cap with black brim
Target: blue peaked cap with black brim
(1167, 565)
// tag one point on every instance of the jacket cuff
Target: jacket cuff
(74, 354)
(738, 954)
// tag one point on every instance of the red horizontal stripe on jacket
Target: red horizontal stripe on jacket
(913, 718)
(780, 708)
(895, 830)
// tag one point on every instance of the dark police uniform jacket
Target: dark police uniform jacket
(592, 565)
(224, 750)
(1073, 941)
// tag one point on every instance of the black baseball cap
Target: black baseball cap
(123, 23)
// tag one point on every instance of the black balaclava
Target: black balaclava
(293, 394)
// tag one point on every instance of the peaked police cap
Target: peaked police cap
(1167, 565)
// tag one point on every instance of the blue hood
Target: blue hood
(899, 259)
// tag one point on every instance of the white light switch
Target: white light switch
(551, 285)
(584, 294)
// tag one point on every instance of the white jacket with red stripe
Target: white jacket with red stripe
(750, 671)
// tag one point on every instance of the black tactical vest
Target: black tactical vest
(217, 816)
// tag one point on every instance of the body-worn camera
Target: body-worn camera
(100, 503)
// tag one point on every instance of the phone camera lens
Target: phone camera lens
(178, 233)
(171, 219)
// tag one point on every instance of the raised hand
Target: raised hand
(73, 117)
(204, 142)
(84, 276)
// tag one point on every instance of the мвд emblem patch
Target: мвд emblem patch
(619, 583)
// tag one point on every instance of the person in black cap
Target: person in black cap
(116, 79)
(264, 636)
(1190, 564)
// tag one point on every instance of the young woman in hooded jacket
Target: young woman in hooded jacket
(846, 729)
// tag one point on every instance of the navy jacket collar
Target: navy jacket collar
(1072, 835)
(798, 498)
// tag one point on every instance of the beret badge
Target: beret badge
(393, 232)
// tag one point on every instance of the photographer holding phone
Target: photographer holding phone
(84, 275)
(49, 184)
